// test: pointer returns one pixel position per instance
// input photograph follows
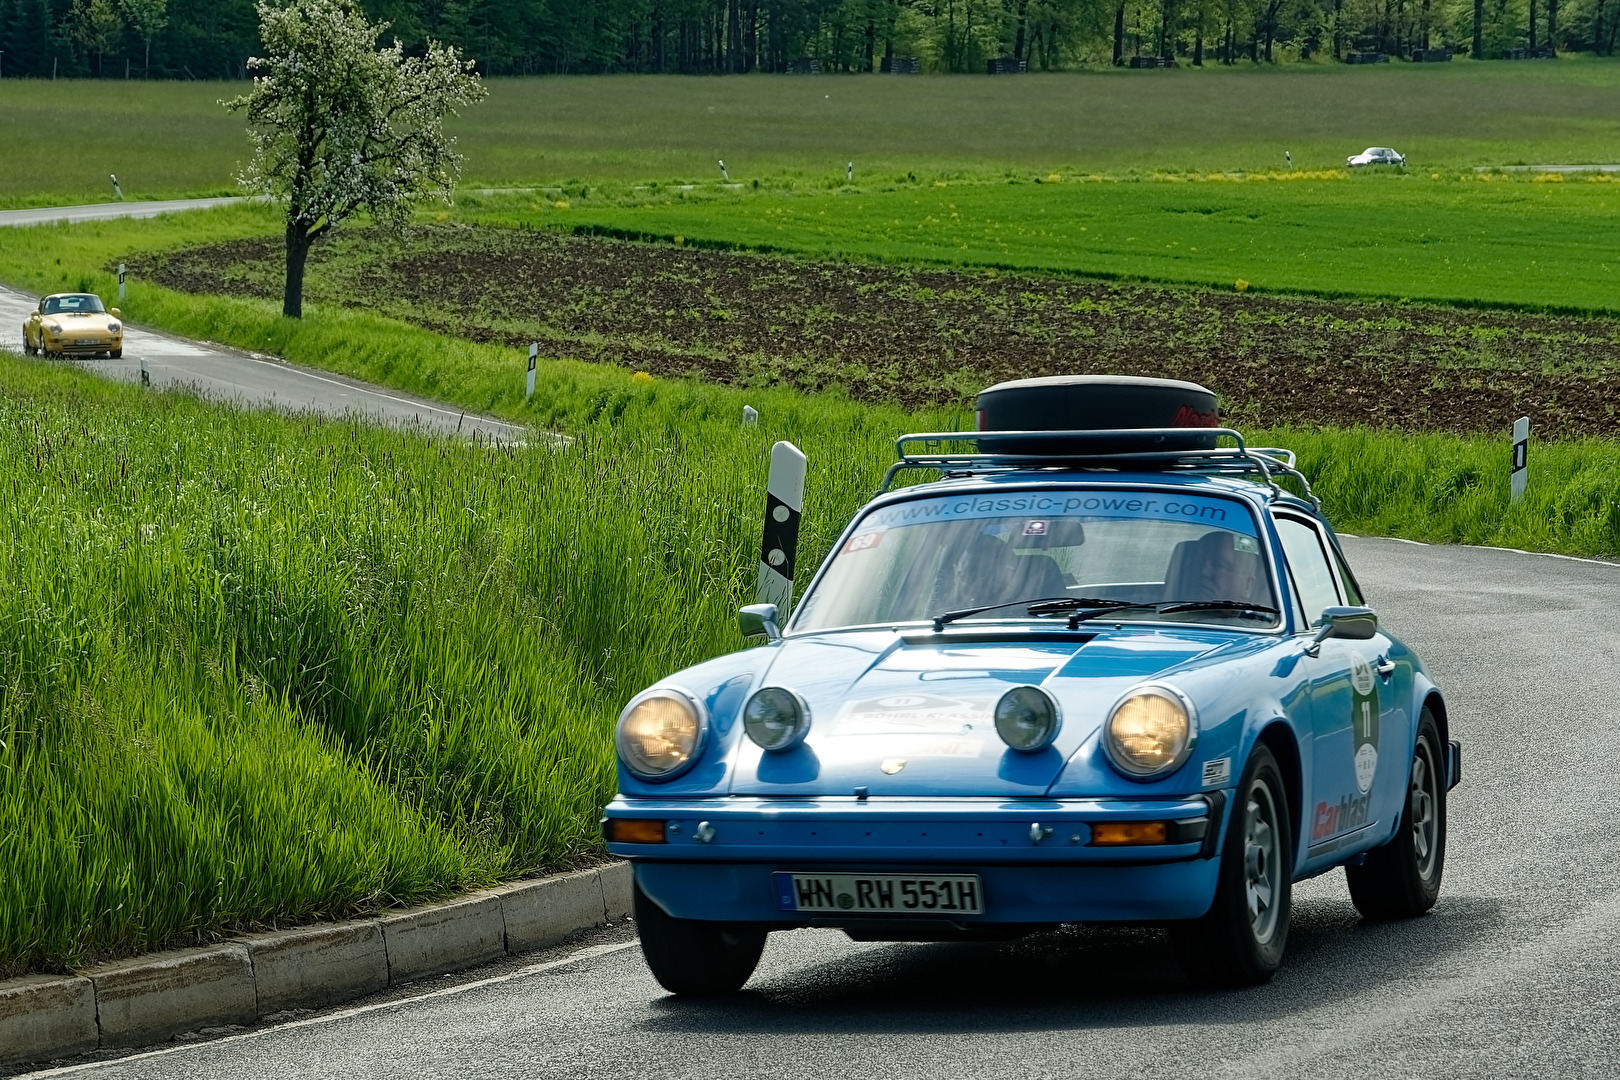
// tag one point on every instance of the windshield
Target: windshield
(76, 304)
(912, 561)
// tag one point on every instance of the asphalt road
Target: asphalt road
(1513, 974)
(222, 373)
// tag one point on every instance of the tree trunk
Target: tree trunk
(292, 297)
(1532, 25)
(1198, 44)
(1119, 34)
(1479, 30)
(1552, 26)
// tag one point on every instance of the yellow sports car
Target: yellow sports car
(73, 324)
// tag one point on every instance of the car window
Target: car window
(910, 561)
(1309, 565)
(1347, 581)
(67, 305)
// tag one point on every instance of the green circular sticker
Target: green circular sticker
(1363, 719)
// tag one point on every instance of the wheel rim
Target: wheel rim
(1261, 861)
(1423, 806)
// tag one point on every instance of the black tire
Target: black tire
(690, 956)
(1401, 879)
(1235, 944)
(115, 354)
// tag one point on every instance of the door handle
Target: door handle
(1385, 668)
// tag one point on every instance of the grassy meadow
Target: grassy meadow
(172, 139)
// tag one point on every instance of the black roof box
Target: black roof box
(1092, 403)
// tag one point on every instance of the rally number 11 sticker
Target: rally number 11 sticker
(1364, 720)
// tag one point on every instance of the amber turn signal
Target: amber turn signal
(634, 831)
(1121, 833)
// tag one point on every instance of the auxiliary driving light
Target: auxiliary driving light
(1027, 718)
(776, 718)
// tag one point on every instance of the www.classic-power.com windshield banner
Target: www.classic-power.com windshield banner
(1085, 505)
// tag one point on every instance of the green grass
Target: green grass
(1447, 238)
(62, 138)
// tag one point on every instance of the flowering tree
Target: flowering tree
(339, 125)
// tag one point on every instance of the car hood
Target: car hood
(76, 323)
(911, 714)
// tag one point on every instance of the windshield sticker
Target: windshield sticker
(912, 714)
(865, 541)
(1034, 528)
(1364, 719)
(1219, 513)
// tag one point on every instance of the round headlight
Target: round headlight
(776, 718)
(113, 328)
(1027, 718)
(1150, 732)
(659, 733)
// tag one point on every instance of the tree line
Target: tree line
(213, 39)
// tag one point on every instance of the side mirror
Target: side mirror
(1350, 623)
(114, 311)
(759, 620)
(35, 316)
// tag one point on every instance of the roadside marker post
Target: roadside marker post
(116, 189)
(1521, 456)
(750, 416)
(849, 171)
(784, 501)
(534, 353)
(122, 271)
(146, 376)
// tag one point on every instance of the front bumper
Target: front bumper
(1036, 858)
(70, 346)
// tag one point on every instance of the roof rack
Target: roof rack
(1266, 463)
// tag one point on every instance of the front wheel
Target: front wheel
(690, 956)
(1240, 940)
(1402, 878)
(116, 354)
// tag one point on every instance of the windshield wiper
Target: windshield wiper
(1038, 605)
(1244, 609)
(952, 616)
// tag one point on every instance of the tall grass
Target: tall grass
(258, 669)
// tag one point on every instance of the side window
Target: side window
(1313, 577)
(1347, 581)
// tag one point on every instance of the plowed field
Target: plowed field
(930, 336)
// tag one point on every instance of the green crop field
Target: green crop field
(61, 139)
(1514, 243)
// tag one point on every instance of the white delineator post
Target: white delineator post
(146, 376)
(534, 353)
(1521, 456)
(784, 501)
(750, 416)
(122, 271)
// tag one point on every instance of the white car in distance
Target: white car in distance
(1374, 155)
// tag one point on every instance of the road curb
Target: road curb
(149, 999)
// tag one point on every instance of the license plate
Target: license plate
(881, 894)
(87, 341)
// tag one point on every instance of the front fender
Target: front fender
(722, 685)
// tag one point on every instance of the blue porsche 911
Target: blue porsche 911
(1105, 667)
